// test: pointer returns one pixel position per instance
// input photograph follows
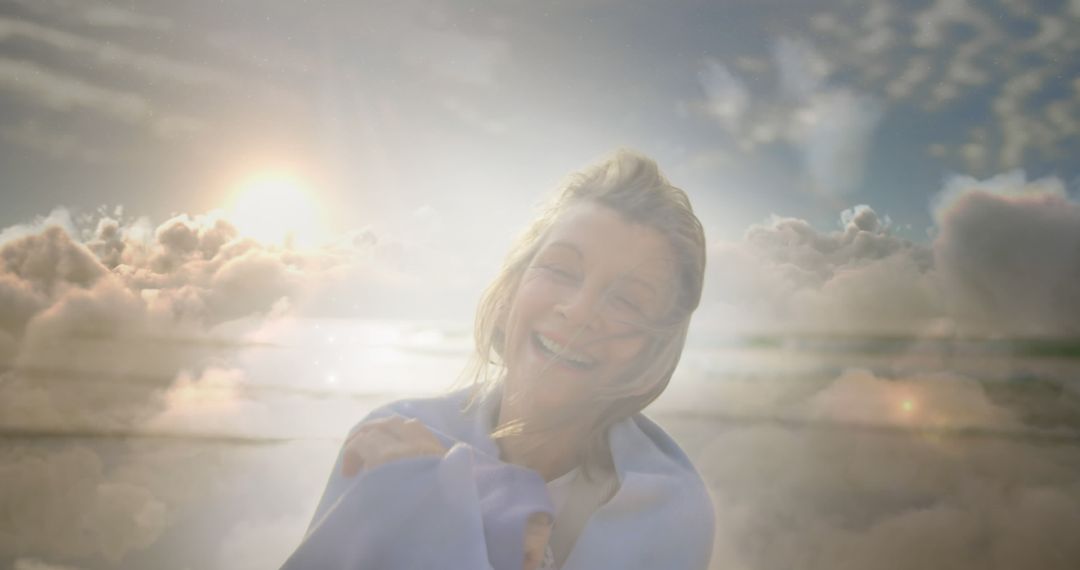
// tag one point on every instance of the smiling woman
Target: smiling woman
(546, 460)
(276, 209)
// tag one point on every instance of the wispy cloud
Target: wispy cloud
(829, 126)
(96, 13)
(49, 89)
(89, 50)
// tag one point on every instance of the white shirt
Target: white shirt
(559, 489)
(575, 498)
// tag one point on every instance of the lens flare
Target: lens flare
(276, 209)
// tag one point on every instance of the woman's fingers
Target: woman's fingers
(385, 440)
(537, 534)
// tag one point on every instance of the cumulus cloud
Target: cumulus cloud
(850, 499)
(1006, 254)
(938, 400)
(50, 261)
(787, 273)
(114, 328)
(813, 468)
(127, 305)
(120, 326)
(60, 217)
(63, 504)
(1002, 262)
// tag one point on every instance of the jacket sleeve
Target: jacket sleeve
(463, 510)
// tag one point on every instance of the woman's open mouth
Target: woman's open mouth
(564, 355)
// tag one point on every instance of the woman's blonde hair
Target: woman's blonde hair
(632, 185)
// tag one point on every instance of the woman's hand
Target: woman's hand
(537, 534)
(381, 441)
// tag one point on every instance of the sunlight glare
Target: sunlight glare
(276, 209)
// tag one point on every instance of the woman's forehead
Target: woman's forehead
(602, 236)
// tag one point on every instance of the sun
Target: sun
(276, 209)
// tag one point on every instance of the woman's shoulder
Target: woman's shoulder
(639, 444)
(643, 450)
(661, 499)
(663, 442)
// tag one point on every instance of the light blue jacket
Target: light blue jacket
(467, 510)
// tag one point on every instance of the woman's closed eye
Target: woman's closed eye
(561, 272)
(625, 302)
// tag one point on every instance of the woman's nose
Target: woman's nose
(582, 307)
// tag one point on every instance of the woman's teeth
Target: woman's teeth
(564, 353)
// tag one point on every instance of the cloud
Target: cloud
(129, 329)
(834, 134)
(802, 69)
(111, 54)
(57, 38)
(50, 261)
(49, 89)
(931, 23)
(216, 401)
(1001, 262)
(726, 95)
(915, 73)
(113, 518)
(829, 451)
(786, 273)
(58, 144)
(129, 322)
(939, 400)
(59, 217)
(854, 498)
(1007, 254)
(830, 127)
(877, 23)
(120, 326)
(96, 13)
(35, 564)
(107, 15)
(1023, 131)
(94, 333)
(956, 52)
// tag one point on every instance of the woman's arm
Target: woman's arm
(397, 498)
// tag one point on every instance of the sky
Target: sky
(229, 229)
(440, 126)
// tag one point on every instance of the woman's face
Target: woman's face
(576, 319)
